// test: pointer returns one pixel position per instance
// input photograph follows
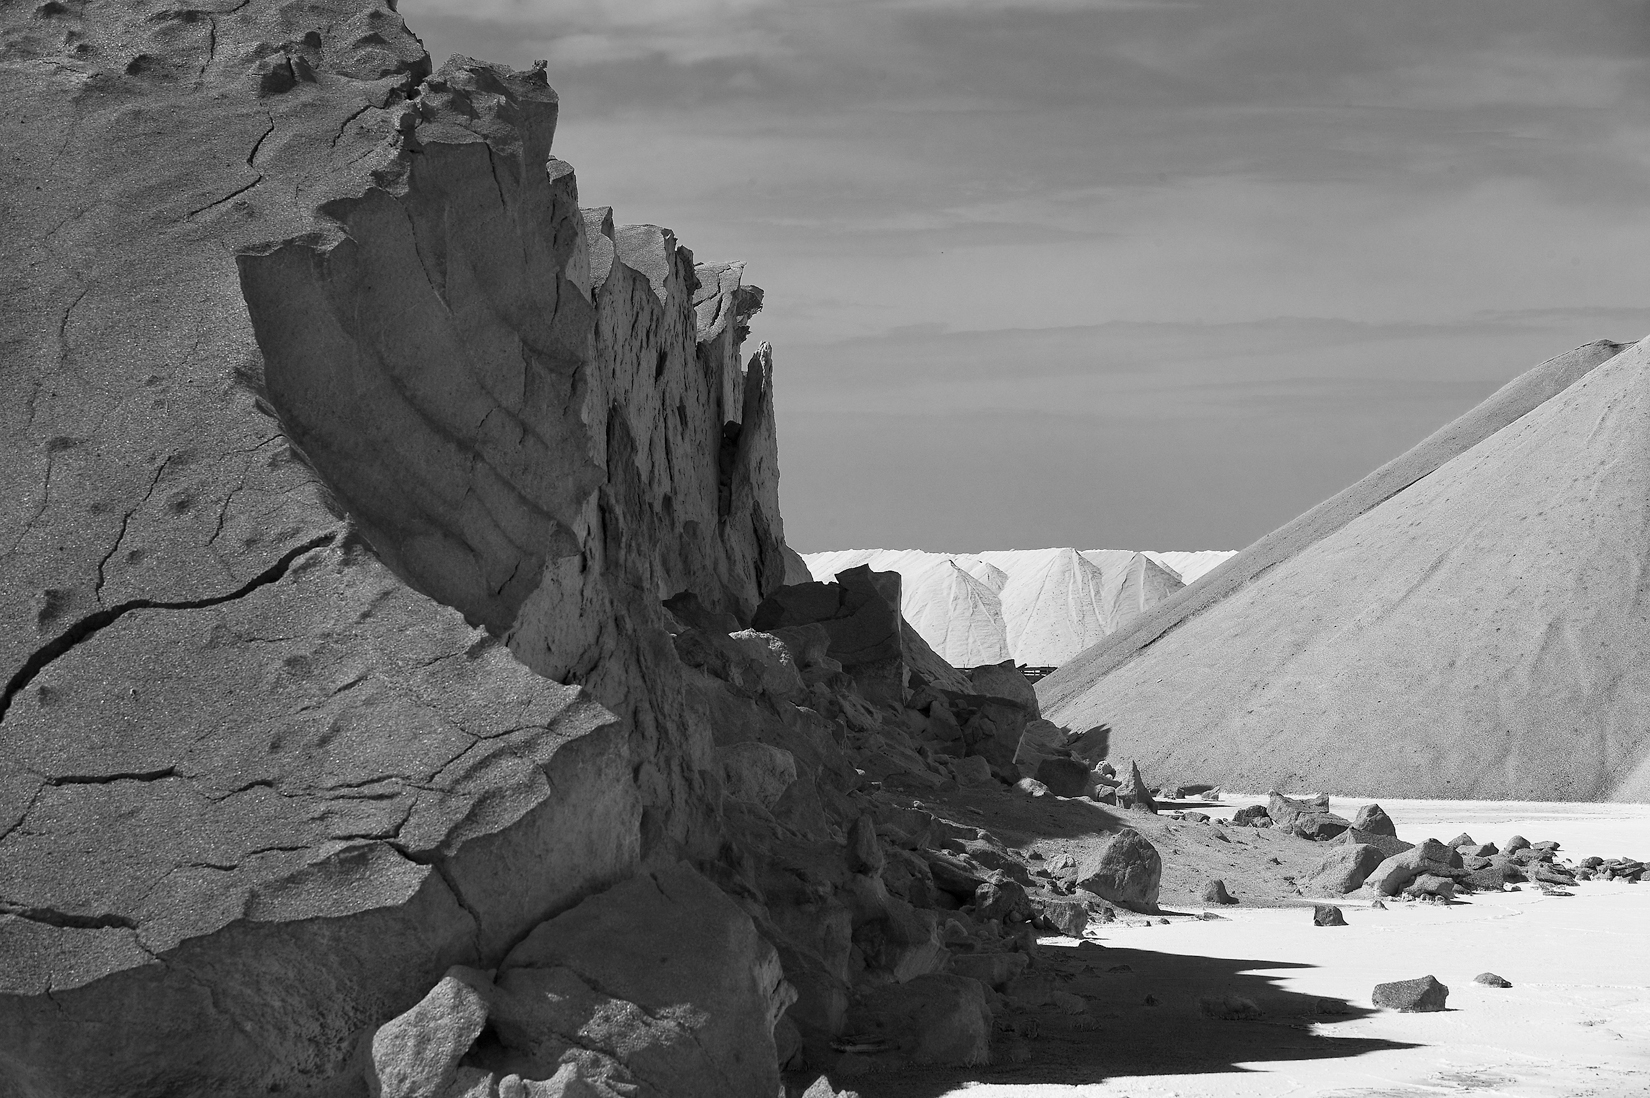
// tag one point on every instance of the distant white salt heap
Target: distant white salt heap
(1036, 606)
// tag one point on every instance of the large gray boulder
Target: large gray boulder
(318, 385)
(1345, 868)
(1127, 870)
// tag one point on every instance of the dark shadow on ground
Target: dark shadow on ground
(1210, 1014)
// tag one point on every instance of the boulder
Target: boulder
(662, 973)
(417, 1053)
(1215, 893)
(1127, 871)
(755, 772)
(1431, 884)
(1461, 840)
(865, 854)
(1031, 787)
(972, 770)
(1327, 915)
(1068, 917)
(1308, 818)
(1478, 850)
(860, 611)
(778, 674)
(1411, 996)
(1395, 873)
(1041, 740)
(1345, 868)
(1134, 793)
(1064, 777)
(1515, 844)
(1388, 845)
(1005, 680)
(1373, 818)
(938, 1019)
(1250, 815)
(1490, 979)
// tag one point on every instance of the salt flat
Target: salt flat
(1576, 1021)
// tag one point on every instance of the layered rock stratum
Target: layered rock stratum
(1467, 621)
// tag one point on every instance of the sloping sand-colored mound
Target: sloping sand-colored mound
(1470, 620)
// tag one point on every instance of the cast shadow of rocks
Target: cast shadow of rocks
(1204, 1015)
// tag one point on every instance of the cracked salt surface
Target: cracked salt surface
(1575, 1023)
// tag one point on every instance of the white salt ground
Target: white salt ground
(1575, 1023)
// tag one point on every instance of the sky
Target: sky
(1118, 273)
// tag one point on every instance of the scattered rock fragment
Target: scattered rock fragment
(1411, 996)
(1127, 870)
(1345, 868)
(1309, 818)
(1373, 818)
(1215, 893)
(1327, 915)
(1134, 793)
(1490, 979)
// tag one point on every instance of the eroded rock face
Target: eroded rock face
(333, 577)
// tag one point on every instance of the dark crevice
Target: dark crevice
(258, 144)
(90, 625)
(344, 125)
(434, 861)
(49, 917)
(105, 779)
(220, 201)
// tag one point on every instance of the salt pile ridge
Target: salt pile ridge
(1467, 621)
(1039, 607)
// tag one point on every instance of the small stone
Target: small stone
(1490, 979)
(1327, 915)
(1461, 840)
(1377, 906)
(1411, 996)
(1215, 893)
(1031, 787)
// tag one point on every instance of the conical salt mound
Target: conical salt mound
(1134, 583)
(1471, 620)
(1054, 607)
(989, 574)
(1191, 567)
(960, 617)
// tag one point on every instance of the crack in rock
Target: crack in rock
(89, 626)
